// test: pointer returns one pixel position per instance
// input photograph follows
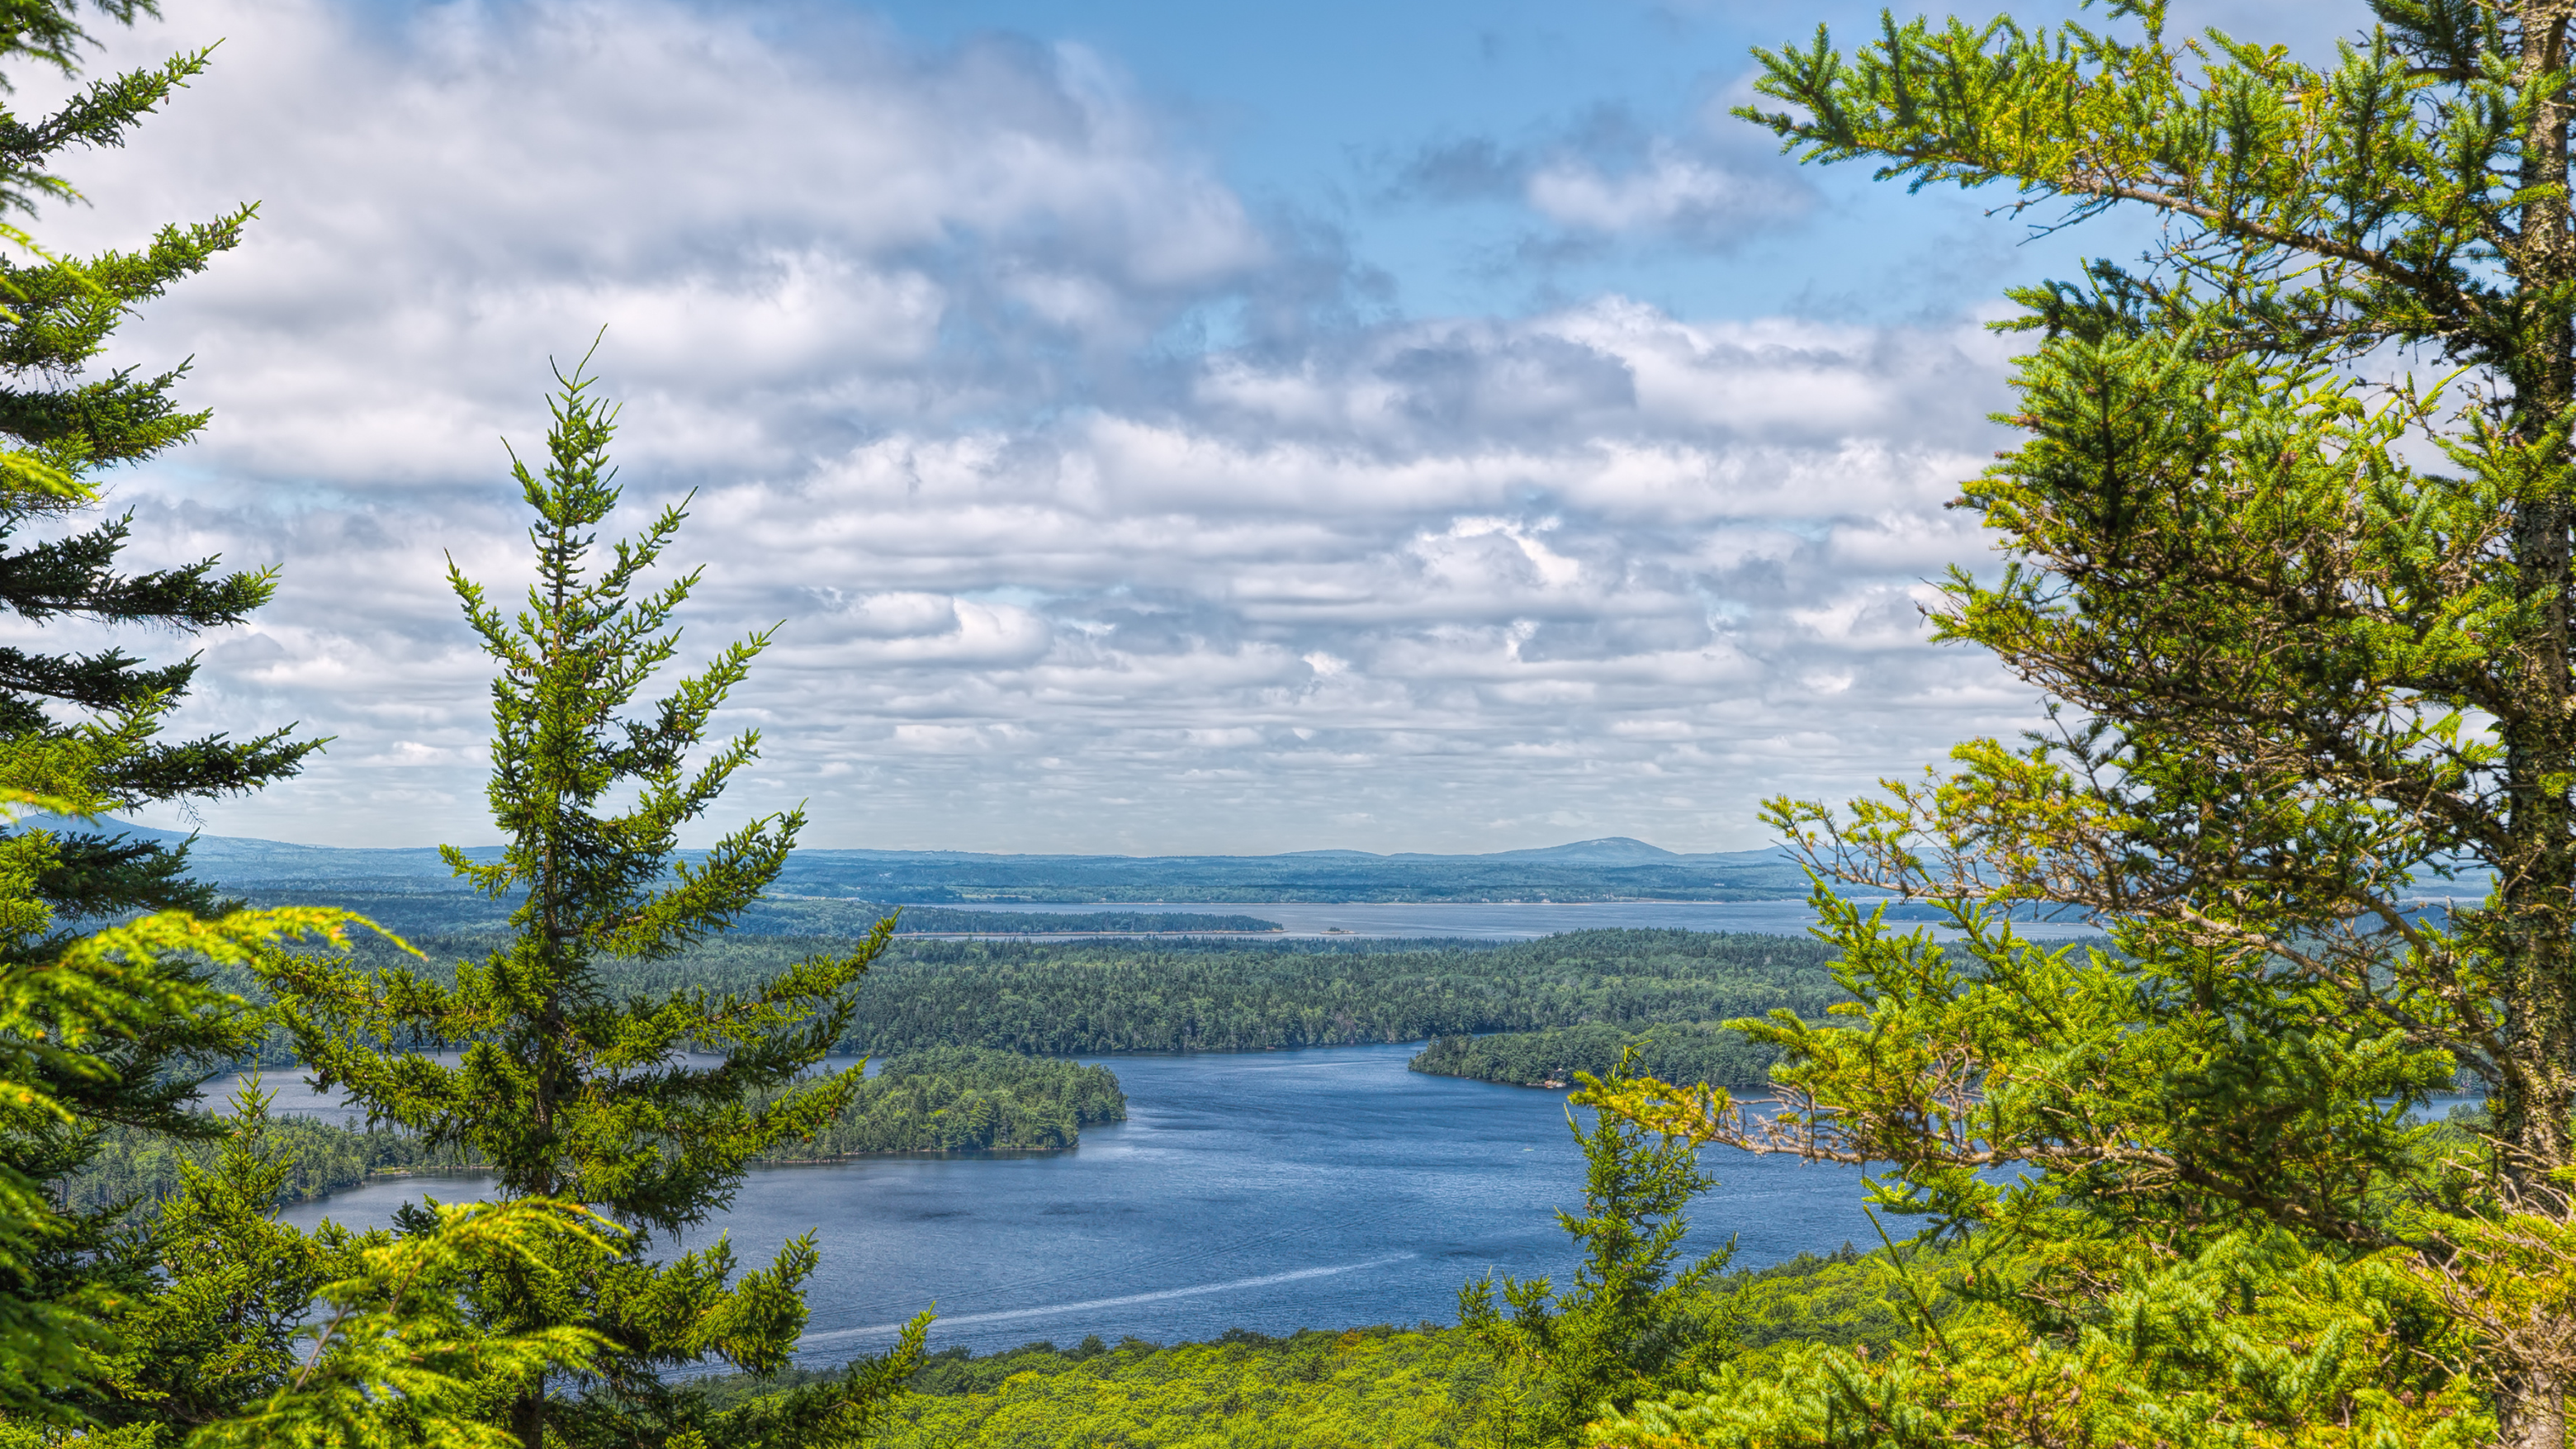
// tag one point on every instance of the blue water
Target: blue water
(1272, 1191)
(1518, 920)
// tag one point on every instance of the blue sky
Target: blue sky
(1408, 131)
(1159, 427)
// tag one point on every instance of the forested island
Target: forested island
(949, 1099)
(134, 1169)
(965, 1099)
(1684, 1052)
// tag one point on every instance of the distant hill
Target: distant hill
(1608, 850)
(1611, 868)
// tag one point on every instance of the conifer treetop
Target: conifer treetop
(578, 652)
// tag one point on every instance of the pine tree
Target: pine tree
(571, 1091)
(2298, 678)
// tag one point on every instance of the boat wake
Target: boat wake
(887, 1330)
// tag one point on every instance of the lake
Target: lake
(1522, 920)
(1273, 1191)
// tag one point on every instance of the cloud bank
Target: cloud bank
(1104, 509)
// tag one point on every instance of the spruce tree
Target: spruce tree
(2303, 622)
(570, 1088)
(60, 426)
(92, 1034)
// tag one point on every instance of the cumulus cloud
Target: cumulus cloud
(904, 320)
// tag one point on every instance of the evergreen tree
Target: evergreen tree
(233, 1288)
(568, 1089)
(93, 1034)
(2299, 678)
(60, 426)
(1629, 1325)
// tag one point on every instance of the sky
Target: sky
(1153, 427)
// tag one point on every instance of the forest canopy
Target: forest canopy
(1093, 998)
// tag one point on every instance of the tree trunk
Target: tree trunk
(2536, 1087)
(2535, 1415)
(528, 1419)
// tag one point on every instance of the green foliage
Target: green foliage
(1313, 1390)
(570, 1088)
(57, 428)
(2295, 675)
(66, 1028)
(1677, 1052)
(1846, 1299)
(1629, 1325)
(965, 1099)
(403, 1360)
(103, 1032)
(1426, 1386)
(233, 1288)
(1094, 998)
(2203, 1161)
(2253, 1341)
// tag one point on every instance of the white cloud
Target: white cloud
(1669, 191)
(903, 319)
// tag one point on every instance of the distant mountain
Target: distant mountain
(1608, 850)
(1611, 868)
(832, 891)
(103, 826)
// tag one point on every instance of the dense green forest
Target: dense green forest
(1676, 1052)
(1085, 998)
(1090, 998)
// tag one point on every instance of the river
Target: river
(1273, 1191)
